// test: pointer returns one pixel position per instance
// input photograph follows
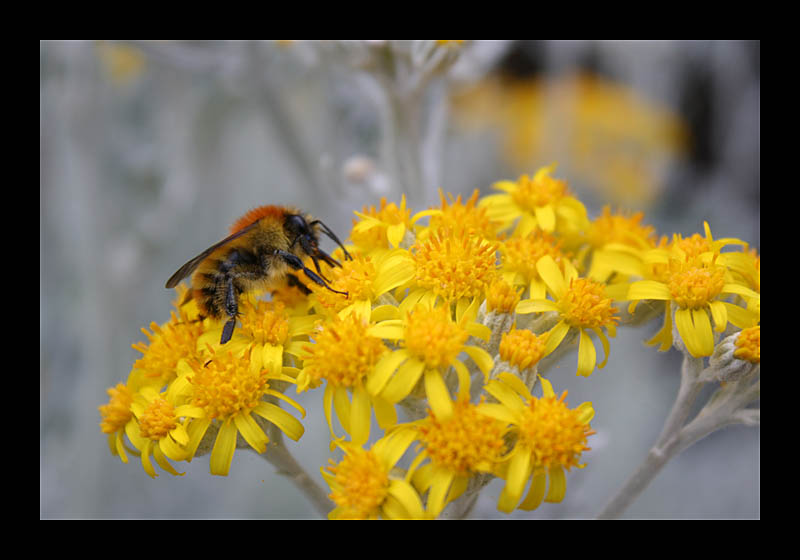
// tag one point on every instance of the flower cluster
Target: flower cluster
(437, 326)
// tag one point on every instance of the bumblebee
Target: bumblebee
(264, 246)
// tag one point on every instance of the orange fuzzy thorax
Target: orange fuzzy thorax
(252, 216)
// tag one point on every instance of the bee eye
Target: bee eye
(297, 223)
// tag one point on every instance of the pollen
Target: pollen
(455, 263)
(158, 419)
(224, 386)
(344, 353)
(693, 285)
(167, 345)
(553, 432)
(266, 322)
(748, 345)
(542, 190)
(465, 441)
(585, 304)
(433, 337)
(117, 412)
(355, 277)
(522, 348)
(502, 296)
(520, 254)
(361, 485)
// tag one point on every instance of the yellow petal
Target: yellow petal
(287, 423)
(385, 413)
(552, 276)
(536, 306)
(720, 315)
(224, 446)
(251, 432)
(546, 217)
(519, 471)
(384, 368)
(403, 381)
(404, 493)
(536, 491)
(558, 485)
(648, 289)
(360, 416)
(395, 233)
(438, 397)
(587, 355)
(481, 357)
(555, 336)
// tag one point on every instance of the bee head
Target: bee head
(306, 234)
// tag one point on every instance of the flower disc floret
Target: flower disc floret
(344, 353)
(585, 304)
(117, 412)
(694, 285)
(748, 345)
(555, 434)
(433, 337)
(265, 322)
(455, 263)
(522, 348)
(157, 420)
(226, 386)
(361, 484)
(464, 443)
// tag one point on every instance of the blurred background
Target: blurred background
(150, 150)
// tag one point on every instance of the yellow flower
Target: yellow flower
(617, 243)
(116, 415)
(694, 285)
(520, 255)
(550, 438)
(521, 348)
(170, 343)
(362, 486)
(457, 214)
(541, 201)
(345, 353)
(502, 297)
(748, 345)
(230, 392)
(453, 264)
(267, 331)
(432, 343)
(383, 228)
(463, 444)
(365, 279)
(160, 428)
(581, 304)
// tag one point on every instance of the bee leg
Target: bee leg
(232, 309)
(297, 264)
(293, 280)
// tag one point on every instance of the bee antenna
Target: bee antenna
(327, 231)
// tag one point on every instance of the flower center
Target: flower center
(177, 340)
(693, 286)
(585, 305)
(553, 432)
(502, 296)
(158, 419)
(748, 345)
(344, 353)
(464, 442)
(224, 386)
(362, 484)
(542, 190)
(266, 322)
(117, 412)
(433, 337)
(520, 254)
(455, 263)
(522, 348)
(388, 215)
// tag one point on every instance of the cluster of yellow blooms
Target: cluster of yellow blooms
(447, 322)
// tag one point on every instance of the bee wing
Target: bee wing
(190, 266)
